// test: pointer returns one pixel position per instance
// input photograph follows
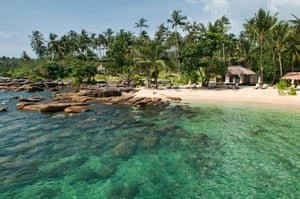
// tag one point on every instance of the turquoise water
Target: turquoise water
(181, 151)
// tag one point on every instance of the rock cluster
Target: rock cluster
(22, 84)
(77, 102)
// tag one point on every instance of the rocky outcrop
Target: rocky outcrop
(77, 102)
(53, 107)
(22, 84)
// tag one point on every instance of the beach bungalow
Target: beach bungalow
(241, 75)
(292, 77)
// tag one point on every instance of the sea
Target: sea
(184, 151)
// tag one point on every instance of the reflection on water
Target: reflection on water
(204, 151)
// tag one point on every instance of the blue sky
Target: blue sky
(18, 18)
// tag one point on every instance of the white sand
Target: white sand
(246, 94)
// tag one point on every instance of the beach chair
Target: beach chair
(264, 86)
(257, 86)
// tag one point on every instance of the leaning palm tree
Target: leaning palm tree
(177, 20)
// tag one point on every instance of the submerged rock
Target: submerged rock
(3, 109)
(105, 171)
(125, 149)
(149, 141)
(125, 192)
(76, 109)
(32, 99)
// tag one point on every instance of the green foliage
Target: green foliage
(281, 87)
(52, 70)
(80, 70)
(292, 91)
(193, 78)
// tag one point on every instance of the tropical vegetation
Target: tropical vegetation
(183, 52)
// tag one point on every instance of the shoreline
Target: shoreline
(247, 95)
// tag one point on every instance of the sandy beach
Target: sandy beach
(245, 95)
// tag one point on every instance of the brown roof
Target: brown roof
(291, 76)
(239, 70)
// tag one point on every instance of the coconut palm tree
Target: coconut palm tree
(141, 24)
(258, 28)
(53, 46)
(177, 20)
(279, 34)
(38, 43)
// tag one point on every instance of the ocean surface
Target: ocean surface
(187, 151)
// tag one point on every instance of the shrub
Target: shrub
(281, 87)
(292, 91)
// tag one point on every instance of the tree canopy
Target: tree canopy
(179, 48)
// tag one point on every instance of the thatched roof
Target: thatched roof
(291, 76)
(239, 70)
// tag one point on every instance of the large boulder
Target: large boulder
(32, 107)
(54, 107)
(102, 92)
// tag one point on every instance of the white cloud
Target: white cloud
(216, 6)
(282, 5)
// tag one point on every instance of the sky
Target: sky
(18, 18)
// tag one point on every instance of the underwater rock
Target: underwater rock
(105, 171)
(149, 141)
(3, 109)
(125, 149)
(63, 115)
(124, 192)
(76, 109)
(200, 139)
(31, 99)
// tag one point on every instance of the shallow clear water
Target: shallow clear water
(182, 151)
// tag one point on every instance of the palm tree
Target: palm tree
(161, 34)
(53, 46)
(38, 43)
(84, 43)
(177, 20)
(280, 32)
(293, 44)
(258, 28)
(141, 24)
(108, 38)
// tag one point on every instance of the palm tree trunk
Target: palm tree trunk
(274, 66)
(280, 62)
(261, 65)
